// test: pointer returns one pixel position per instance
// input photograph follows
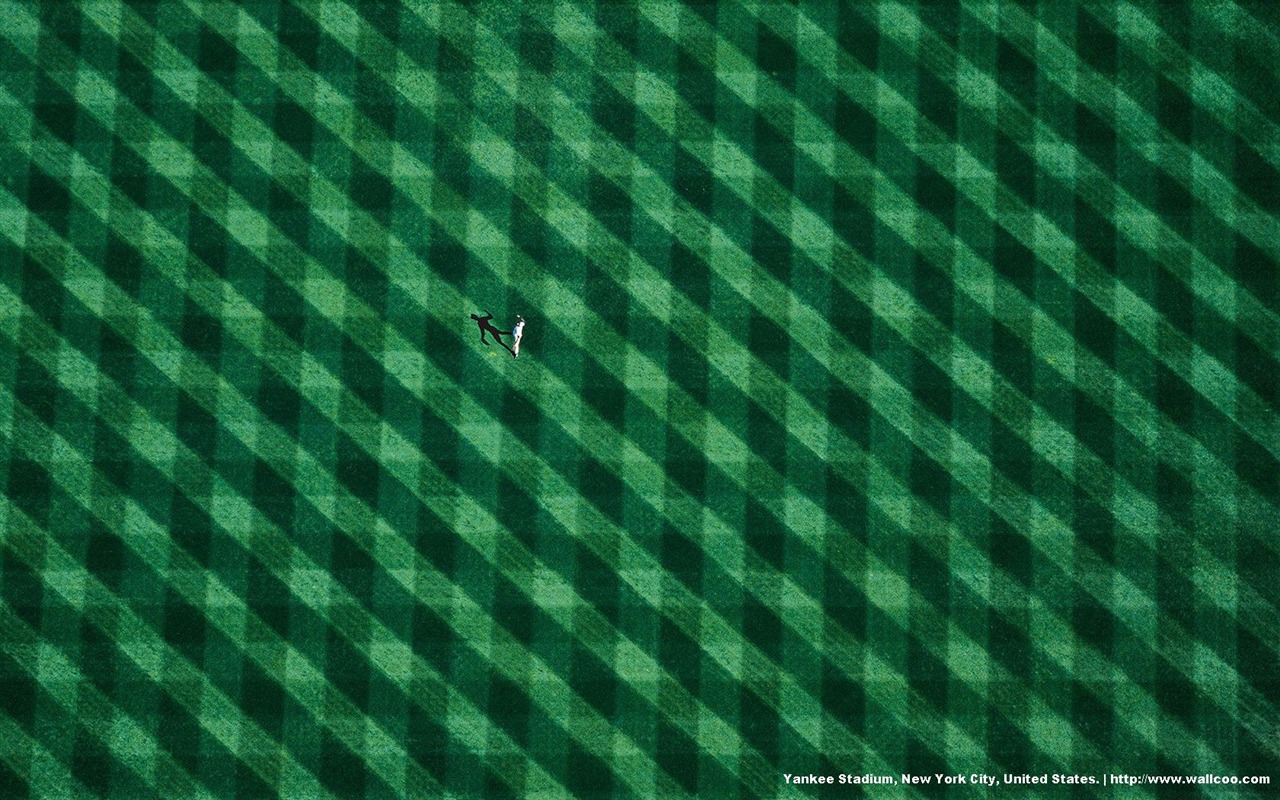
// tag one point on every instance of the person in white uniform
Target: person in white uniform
(516, 333)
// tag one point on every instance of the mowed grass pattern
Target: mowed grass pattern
(899, 394)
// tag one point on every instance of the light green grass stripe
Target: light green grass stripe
(732, 657)
(306, 580)
(1137, 32)
(167, 668)
(1138, 223)
(129, 743)
(45, 775)
(992, 487)
(1249, 36)
(1134, 509)
(977, 279)
(333, 395)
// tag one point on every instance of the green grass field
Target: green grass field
(899, 397)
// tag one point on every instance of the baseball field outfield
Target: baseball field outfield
(897, 408)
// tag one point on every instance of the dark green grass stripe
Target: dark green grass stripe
(1103, 592)
(131, 745)
(1206, 87)
(1254, 46)
(322, 293)
(44, 774)
(162, 664)
(1136, 221)
(1053, 343)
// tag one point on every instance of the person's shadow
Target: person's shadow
(486, 327)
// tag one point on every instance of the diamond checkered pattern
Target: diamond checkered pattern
(900, 394)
